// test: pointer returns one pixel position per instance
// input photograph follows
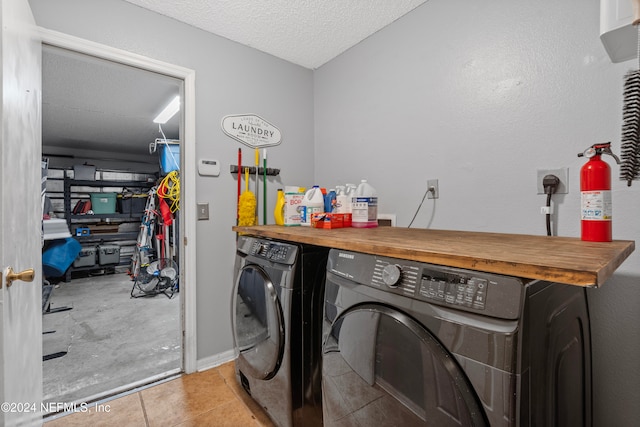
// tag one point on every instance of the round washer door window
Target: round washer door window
(258, 325)
(380, 364)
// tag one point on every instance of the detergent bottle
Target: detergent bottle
(313, 202)
(330, 201)
(364, 206)
(278, 211)
(341, 199)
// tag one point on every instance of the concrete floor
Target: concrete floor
(111, 339)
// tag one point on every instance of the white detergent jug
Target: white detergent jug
(313, 202)
(364, 206)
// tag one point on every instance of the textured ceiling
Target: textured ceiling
(306, 32)
(98, 109)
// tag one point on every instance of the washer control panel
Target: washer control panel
(453, 288)
(484, 293)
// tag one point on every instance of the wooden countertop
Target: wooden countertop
(559, 259)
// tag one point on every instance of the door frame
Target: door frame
(187, 255)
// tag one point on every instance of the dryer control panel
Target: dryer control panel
(484, 293)
(278, 252)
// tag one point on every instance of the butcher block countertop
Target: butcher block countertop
(558, 259)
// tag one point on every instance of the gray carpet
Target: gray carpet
(110, 339)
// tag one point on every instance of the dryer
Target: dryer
(411, 344)
(277, 326)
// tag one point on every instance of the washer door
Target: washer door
(258, 323)
(380, 364)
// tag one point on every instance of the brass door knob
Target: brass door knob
(25, 276)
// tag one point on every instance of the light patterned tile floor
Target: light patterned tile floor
(208, 398)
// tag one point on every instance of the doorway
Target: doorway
(119, 159)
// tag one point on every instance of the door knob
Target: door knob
(25, 276)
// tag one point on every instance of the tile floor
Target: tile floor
(208, 398)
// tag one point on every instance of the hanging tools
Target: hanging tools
(264, 189)
(257, 152)
(239, 184)
(247, 209)
(630, 139)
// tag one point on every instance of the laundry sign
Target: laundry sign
(251, 130)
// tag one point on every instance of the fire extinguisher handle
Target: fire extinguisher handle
(609, 152)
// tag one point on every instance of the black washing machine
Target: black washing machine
(277, 327)
(414, 344)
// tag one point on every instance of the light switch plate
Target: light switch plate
(203, 211)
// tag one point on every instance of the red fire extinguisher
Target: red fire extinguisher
(595, 194)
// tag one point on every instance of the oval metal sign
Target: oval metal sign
(251, 130)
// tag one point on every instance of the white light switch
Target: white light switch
(203, 211)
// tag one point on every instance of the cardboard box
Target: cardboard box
(327, 220)
(292, 208)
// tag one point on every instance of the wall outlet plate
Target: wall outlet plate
(436, 192)
(561, 173)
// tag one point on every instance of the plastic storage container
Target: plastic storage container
(103, 203)
(86, 257)
(108, 254)
(312, 202)
(84, 172)
(364, 206)
(169, 157)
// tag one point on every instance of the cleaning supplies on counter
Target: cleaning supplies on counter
(312, 202)
(278, 211)
(342, 201)
(293, 197)
(330, 201)
(364, 206)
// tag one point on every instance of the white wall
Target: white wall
(480, 94)
(230, 79)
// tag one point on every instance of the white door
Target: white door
(20, 216)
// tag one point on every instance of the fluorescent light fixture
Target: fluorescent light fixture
(169, 111)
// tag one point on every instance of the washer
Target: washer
(277, 327)
(411, 344)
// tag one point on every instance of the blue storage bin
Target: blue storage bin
(60, 254)
(169, 157)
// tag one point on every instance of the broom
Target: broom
(247, 205)
(630, 139)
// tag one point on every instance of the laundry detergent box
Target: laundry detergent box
(293, 208)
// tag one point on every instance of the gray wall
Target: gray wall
(480, 94)
(476, 94)
(230, 79)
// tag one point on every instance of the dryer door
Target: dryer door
(380, 364)
(258, 323)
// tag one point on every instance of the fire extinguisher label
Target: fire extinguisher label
(596, 205)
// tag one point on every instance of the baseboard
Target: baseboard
(215, 360)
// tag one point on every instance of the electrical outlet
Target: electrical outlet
(563, 176)
(435, 193)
